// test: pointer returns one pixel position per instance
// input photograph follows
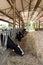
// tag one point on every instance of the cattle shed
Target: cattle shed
(21, 32)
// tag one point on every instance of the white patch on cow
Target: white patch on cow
(13, 50)
(21, 50)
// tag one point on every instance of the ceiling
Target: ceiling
(30, 10)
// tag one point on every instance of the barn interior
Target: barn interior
(24, 17)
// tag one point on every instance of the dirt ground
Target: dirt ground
(27, 59)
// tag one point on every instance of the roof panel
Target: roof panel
(18, 5)
(41, 4)
(4, 4)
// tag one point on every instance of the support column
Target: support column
(22, 24)
(36, 24)
(14, 14)
(19, 20)
(39, 24)
(19, 23)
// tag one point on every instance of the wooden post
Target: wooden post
(22, 24)
(39, 24)
(19, 20)
(19, 23)
(36, 24)
(14, 14)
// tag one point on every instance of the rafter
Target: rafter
(38, 13)
(6, 14)
(5, 21)
(26, 1)
(5, 9)
(41, 7)
(17, 13)
(22, 7)
(11, 17)
(12, 1)
(22, 4)
(39, 17)
(29, 7)
(36, 6)
(9, 10)
(1, 14)
(9, 3)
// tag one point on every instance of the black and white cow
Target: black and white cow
(11, 45)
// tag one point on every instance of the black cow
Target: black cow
(19, 36)
(16, 48)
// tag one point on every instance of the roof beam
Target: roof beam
(30, 5)
(29, 8)
(36, 6)
(6, 9)
(19, 17)
(9, 3)
(17, 13)
(22, 4)
(22, 7)
(12, 1)
(6, 15)
(39, 17)
(5, 21)
(26, 1)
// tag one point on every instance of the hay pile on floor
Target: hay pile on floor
(27, 59)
